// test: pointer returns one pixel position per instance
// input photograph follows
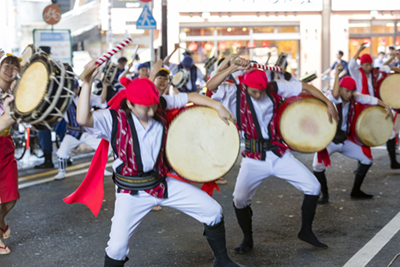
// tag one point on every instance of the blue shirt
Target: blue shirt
(344, 65)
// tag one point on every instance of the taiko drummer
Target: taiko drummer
(9, 194)
(136, 129)
(366, 78)
(345, 99)
(254, 103)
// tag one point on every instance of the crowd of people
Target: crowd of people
(128, 119)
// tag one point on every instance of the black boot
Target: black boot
(391, 148)
(108, 262)
(216, 239)
(324, 198)
(48, 163)
(244, 219)
(358, 180)
(307, 216)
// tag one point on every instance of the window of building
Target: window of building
(232, 31)
(197, 31)
(360, 26)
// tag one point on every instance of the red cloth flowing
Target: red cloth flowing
(91, 190)
(207, 187)
(364, 90)
(323, 156)
(365, 149)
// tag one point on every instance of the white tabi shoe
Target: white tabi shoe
(107, 173)
(60, 176)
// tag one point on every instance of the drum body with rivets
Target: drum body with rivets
(389, 90)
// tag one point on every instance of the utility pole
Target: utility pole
(151, 40)
(109, 37)
(164, 43)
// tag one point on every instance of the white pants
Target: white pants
(253, 172)
(69, 143)
(130, 210)
(348, 148)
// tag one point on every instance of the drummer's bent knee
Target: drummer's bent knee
(241, 200)
(312, 188)
(213, 215)
(117, 250)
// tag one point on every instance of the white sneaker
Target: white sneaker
(59, 176)
(107, 173)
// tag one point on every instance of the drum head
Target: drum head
(27, 54)
(32, 87)
(305, 125)
(177, 78)
(390, 90)
(372, 128)
(200, 146)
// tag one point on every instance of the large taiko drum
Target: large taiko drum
(180, 78)
(369, 127)
(200, 146)
(43, 93)
(389, 90)
(304, 124)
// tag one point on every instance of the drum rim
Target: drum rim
(385, 80)
(168, 158)
(31, 46)
(50, 72)
(305, 99)
(358, 126)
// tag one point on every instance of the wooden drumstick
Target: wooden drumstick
(259, 66)
(107, 56)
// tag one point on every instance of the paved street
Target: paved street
(48, 232)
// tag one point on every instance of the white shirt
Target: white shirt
(263, 107)
(174, 68)
(354, 70)
(362, 99)
(150, 138)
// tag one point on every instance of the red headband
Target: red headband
(140, 91)
(255, 78)
(366, 58)
(348, 83)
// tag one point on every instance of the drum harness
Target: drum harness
(259, 145)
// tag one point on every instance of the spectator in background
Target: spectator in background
(380, 60)
(345, 71)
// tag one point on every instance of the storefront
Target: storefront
(250, 41)
(358, 21)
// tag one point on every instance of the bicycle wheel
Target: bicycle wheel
(18, 137)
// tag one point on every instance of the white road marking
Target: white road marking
(68, 174)
(368, 252)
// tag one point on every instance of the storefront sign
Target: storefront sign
(58, 40)
(249, 5)
(365, 5)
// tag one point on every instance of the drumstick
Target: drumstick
(259, 66)
(134, 53)
(107, 56)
